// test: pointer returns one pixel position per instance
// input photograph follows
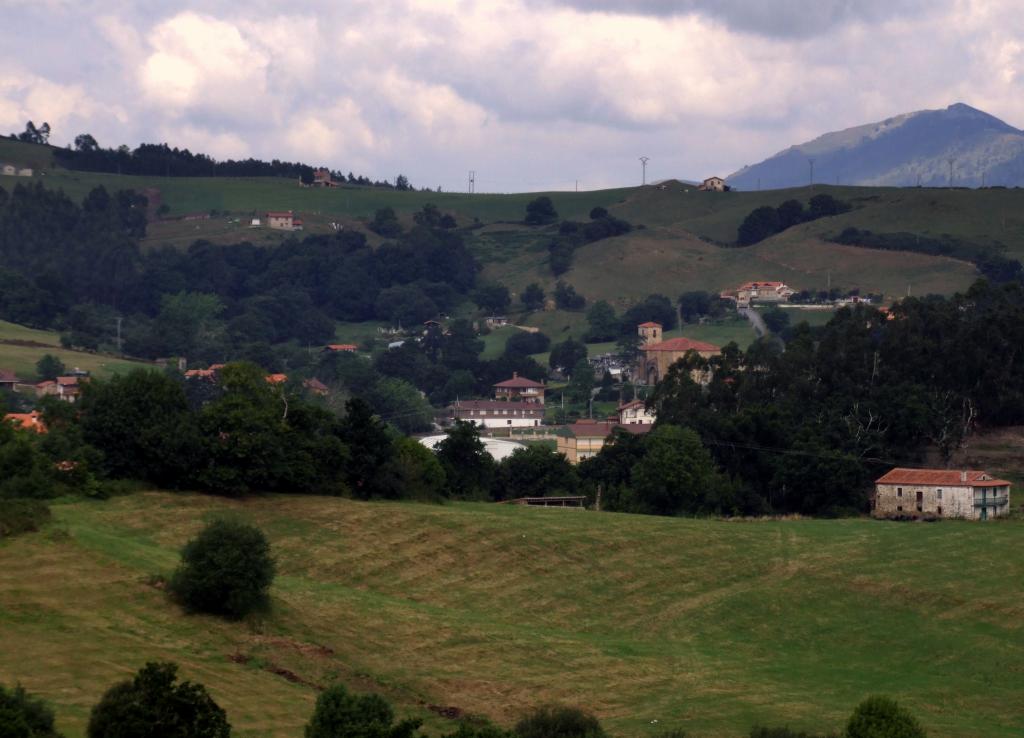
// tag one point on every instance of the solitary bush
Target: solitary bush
(881, 717)
(559, 721)
(338, 713)
(24, 716)
(151, 704)
(225, 570)
(21, 516)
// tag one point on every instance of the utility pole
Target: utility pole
(472, 181)
(119, 349)
(577, 185)
(758, 184)
(643, 165)
(951, 160)
(811, 162)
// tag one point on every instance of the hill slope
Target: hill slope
(909, 149)
(707, 625)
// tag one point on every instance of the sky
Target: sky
(529, 94)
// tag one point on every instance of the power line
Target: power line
(643, 165)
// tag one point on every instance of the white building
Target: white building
(940, 493)
(712, 184)
(635, 413)
(498, 413)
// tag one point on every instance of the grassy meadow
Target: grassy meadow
(21, 347)
(703, 624)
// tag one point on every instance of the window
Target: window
(938, 494)
(899, 491)
(940, 509)
(899, 508)
(509, 422)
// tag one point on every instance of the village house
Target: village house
(32, 421)
(751, 292)
(519, 388)
(635, 413)
(276, 379)
(68, 388)
(283, 220)
(712, 184)
(940, 493)
(585, 438)
(658, 355)
(498, 413)
(316, 387)
(338, 348)
(496, 321)
(46, 388)
(8, 380)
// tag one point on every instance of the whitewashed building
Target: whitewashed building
(498, 413)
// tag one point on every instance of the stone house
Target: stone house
(773, 292)
(940, 493)
(658, 355)
(283, 220)
(712, 184)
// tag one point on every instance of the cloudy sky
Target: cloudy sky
(531, 94)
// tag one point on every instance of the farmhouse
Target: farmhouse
(32, 421)
(659, 355)
(940, 493)
(283, 220)
(519, 388)
(338, 348)
(712, 184)
(68, 388)
(8, 170)
(322, 178)
(498, 413)
(8, 380)
(585, 438)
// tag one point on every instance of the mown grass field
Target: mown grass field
(702, 624)
(22, 347)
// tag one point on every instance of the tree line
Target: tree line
(766, 221)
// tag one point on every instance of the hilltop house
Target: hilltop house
(658, 355)
(519, 388)
(635, 413)
(751, 292)
(498, 413)
(712, 184)
(322, 178)
(940, 493)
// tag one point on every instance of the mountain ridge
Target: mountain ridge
(903, 150)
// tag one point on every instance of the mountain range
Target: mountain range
(906, 150)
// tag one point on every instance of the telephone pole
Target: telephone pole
(472, 181)
(811, 162)
(643, 166)
(951, 160)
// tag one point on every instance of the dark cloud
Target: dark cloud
(774, 18)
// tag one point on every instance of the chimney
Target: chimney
(963, 476)
(515, 375)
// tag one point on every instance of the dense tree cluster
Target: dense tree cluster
(573, 235)
(605, 325)
(766, 221)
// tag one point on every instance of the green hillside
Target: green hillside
(21, 348)
(652, 623)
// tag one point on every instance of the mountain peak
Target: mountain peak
(908, 149)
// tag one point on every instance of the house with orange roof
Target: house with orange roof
(336, 348)
(68, 388)
(276, 378)
(940, 493)
(32, 421)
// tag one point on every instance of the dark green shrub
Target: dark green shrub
(762, 732)
(151, 704)
(881, 717)
(24, 716)
(225, 570)
(22, 516)
(558, 721)
(340, 714)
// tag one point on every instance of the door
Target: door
(920, 501)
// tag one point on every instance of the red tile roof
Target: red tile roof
(341, 347)
(67, 381)
(315, 385)
(650, 324)
(277, 378)
(944, 477)
(603, 428)
(634, 403)
(280, 214)
(28, 421)
(6, 375)
(759, 285)
(681, 344)
(518, 382)
(532, 407)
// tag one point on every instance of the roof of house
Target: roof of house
(945, 477)
(6, 375)
(518, 382)
(649, 324)
(604, 428)
(315, 384)
(28, 421)
(533, 407)
(711, 178)
(280, 214)
(46, 383)
(216, 367)
(634, 403)
(681, 344)
(202, 373)
(341, 347)
(758, 285)
(67, 381)
(277, 378)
